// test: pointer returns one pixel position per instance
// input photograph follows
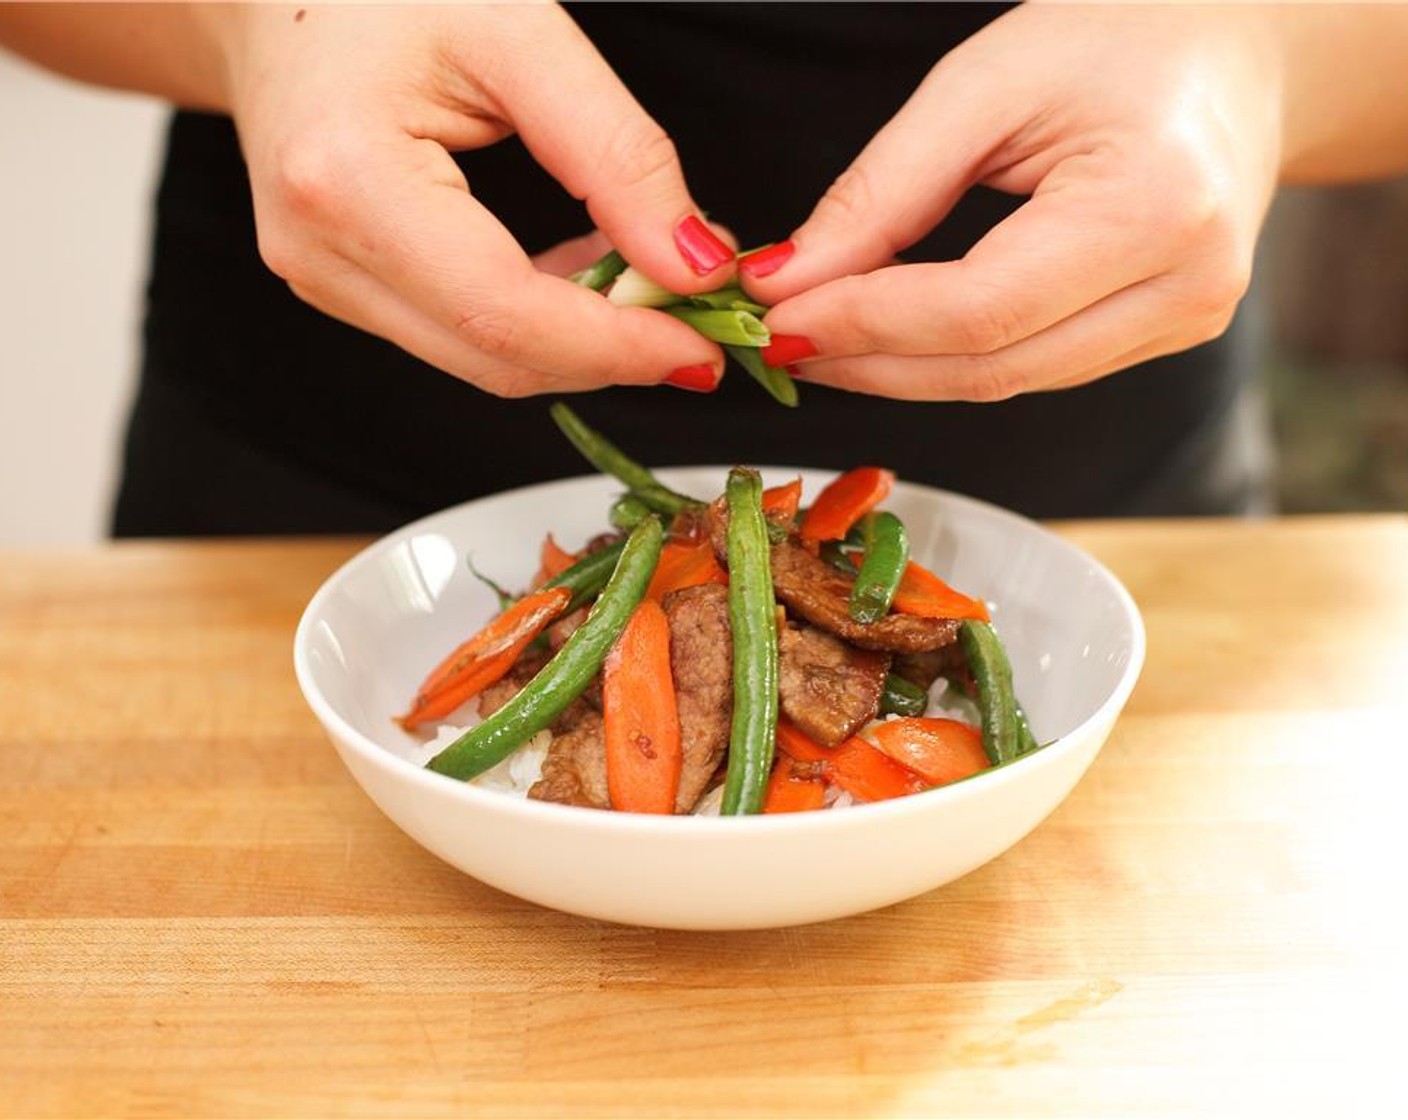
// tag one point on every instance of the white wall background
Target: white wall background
(77, 171)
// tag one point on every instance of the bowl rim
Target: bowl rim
(547, 813)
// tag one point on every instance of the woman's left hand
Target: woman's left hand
(1149, 141)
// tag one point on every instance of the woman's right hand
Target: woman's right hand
(347, 116)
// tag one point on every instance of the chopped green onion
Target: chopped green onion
(599, 275)
(505, 599)
(636, 289)
(777, 382)
(729, 328)
(726, 316)
(728, 299)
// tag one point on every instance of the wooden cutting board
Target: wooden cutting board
(201, 915)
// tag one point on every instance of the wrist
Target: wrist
(1345, 115)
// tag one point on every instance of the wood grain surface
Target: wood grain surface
(201, 915)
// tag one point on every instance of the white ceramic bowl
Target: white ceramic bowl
(371, 632)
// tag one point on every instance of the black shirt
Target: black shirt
(257, 414)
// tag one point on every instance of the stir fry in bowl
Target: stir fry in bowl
(740, 655)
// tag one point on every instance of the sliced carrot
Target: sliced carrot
(789, 792)
(923, 593)
(641, 720)
(798, 745)
(854, 765)
(553, 560)
(868, 775)
(780, 503)
(845, 501)
(685, 564)
(477, 663)
(939, 750)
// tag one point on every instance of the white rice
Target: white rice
(947, 702)
(516, 774)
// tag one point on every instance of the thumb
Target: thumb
(586, 129)
(900, 186)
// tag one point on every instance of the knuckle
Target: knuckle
(1196, 215)
(512, 384)
(491, 327)
(1217, 290)
(988, 324)
(1212, 326)
(311, 175)
(850, 196)
(861, 323)
(280, 254)
(858, 210)
(642, 154)
(991, 380)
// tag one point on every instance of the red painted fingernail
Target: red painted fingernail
(784, 349)
(794, 373)
(765, 262)
(700, 246)
(697, 379)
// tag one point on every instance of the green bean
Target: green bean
(627, 512)
(992, 673)
(753, 621)
(835, 555)
(588, 575)
(598, 276)
(661, 499)
(571, 669)
(606, 457)
(778, 382)
(902, 698)
(1026, 740)
(730, 328)
(886, 546)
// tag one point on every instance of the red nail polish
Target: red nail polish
(697, 379)
(794, 373)
(788, 348)
(766, 261)
(700, 246)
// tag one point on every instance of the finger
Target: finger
(1096, 340)
(1169, 344)
(568, 257)
(581, 123)
(347, 293)
(1076, 242)
(572, 256)
(899, 187)
(425, 237)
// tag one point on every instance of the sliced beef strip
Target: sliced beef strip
(600, 541)
(928, 666)
(574, 771)
(565, 627)
(701, 661)
(507, 687)
(812, 589)
(828, 688)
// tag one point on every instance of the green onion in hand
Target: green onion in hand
(726, 316)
